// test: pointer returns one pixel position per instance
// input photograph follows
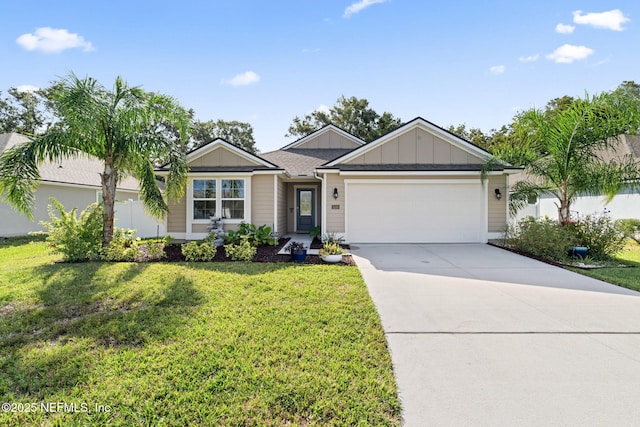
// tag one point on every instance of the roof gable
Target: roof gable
(222, 153)
(328, 137)
(417, 142)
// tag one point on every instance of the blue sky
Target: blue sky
(264, 62)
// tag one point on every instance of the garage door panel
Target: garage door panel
(414, 212)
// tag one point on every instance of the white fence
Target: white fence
(131, 215)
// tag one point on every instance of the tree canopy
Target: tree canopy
(237, 133)
(125, 127)
(350, 114)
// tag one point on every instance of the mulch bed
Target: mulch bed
(263, 254)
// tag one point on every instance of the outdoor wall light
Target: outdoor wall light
(335, 193)
(498, 194)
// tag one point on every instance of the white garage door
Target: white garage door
(415, 212)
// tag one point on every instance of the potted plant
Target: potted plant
(297, 250)
(331, 252)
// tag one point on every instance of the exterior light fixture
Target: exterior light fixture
(498, 194)
(335, 193)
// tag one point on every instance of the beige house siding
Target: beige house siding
(282, 207)
(335, 217)
(177, 216)
(497, 208)
(416, 146)
(262, 200)
(221, 156)
(329, 139)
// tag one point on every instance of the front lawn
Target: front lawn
(629, 277)
(188, 344)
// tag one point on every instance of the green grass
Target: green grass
(189, 344)
(629, 277)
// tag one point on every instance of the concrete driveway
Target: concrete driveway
(481, 336)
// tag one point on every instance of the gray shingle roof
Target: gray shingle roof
(303, 161)
(81, 170)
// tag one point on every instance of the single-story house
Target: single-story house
(418, 183)
(76, 183)
(626, 204)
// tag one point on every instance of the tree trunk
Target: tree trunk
(109, 183)
(564, 212)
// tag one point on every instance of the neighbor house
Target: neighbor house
(626, 204)
(418, 183)
(76, 183)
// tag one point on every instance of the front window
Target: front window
(204, 198)
(232, 198)
(218, 197)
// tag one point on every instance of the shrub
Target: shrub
(256, 235)
(600, 235)
(194, 251)
(123, 247)
(332, 238)
(543, 237)
(151, 251)
(77, 239)
(243, 251)
(629, 228)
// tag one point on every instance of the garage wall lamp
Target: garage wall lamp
(498, 193)
(335, 193)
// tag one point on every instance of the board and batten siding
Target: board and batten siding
(497, 215)
(329, 139)
(262, 200)
(416, 146)
(221, 157)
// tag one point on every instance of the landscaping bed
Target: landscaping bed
(264, 253)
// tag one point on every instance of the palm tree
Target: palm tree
(568, 153)
(126, 127)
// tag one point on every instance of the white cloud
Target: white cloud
(567, 53)
(611, 20)
(498, 69)
(530, 58)
(53, 40)
(323, 109)
(359, 7)
(565, 29)
(244, 79)
(308, 50)
(27, 88)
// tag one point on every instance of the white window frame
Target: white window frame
(247, 202)
(194, 199)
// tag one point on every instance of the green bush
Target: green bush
(150, 251)
(123, 246)
(77, 239)
(543, 237)
(255, 235)
(629, 228)
(243, 251)
(600, 235)
(200, 252)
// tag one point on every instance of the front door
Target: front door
(305, 215)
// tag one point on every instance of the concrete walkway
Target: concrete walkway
(483, 337)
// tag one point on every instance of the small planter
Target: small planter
(578, 251)
(299, 256)
(331, 258)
